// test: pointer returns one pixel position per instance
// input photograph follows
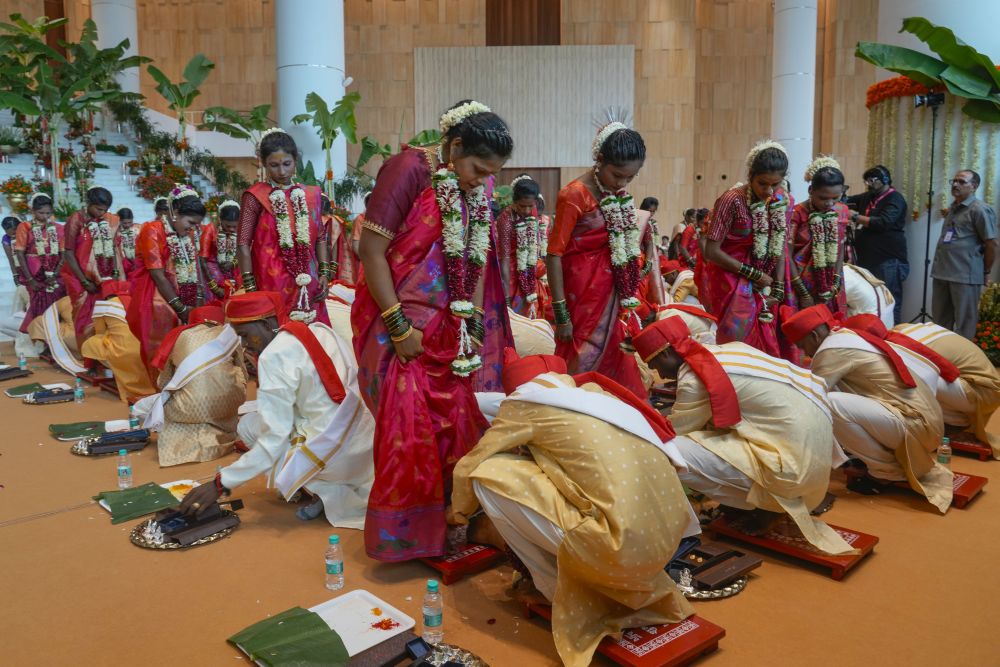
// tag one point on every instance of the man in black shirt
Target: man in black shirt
(880, 239)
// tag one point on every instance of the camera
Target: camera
(928, 100)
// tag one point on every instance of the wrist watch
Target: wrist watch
(854, 216)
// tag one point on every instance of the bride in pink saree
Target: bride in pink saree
(430, 325)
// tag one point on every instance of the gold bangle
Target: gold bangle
(402, 337)
(392, 310)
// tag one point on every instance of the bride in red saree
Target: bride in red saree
(166, 281)
(593, 260)
(430, 325)
(746, 255)
(281, 241)
(518, 234)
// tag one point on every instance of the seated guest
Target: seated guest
(576, 510)
(311, 430)
(55, 328)
(885, 415)
(202, 384)
(114, 345)
(678, 282)
(970, 400)
(699, 321)
(867, 294)
(759, 430)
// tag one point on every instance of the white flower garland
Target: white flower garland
(465, 249)
(623, 239)
(182, 250)
(824, 232)
(225, 247)
(769, 226)
(526, 230)
(820, 162)
(128, 242)
(303, 312)
(49, 244)
(100, 231)
(543, 236)
(453, 117)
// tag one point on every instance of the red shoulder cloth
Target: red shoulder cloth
(321, 360)
(664, 430)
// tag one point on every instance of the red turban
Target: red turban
(691, 309)
(110, 288)
(673, 332)
(669, 266)
(876, 327)
(519, 370)
(253, 306)
(798, 325)
(199, 315)
(664, 430)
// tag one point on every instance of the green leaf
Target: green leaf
(426, 138)
(19, 104)
(918, 66)
(160, 78)
(198, 69)
(369, 149)
(298, 119)
(952, 50)
(988, 112)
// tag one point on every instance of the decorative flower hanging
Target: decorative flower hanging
(465, 249)
(295, 247)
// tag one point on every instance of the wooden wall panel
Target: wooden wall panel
(734, 92)
(380, 37)
(844, 80)
(553, 125)
(663, 33)
(237, 35)
(29, 9)
(522, 22)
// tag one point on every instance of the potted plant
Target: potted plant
(10, 140)
(16, 189)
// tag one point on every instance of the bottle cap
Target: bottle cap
(432, 586)
(335, 539)
(122, 452)
(945, 441)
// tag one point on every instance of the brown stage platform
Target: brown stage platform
(656, 645)
(789, 542)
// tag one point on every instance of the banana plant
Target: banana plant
(238, 125)
(180, 96)
(22, 49)
(330, 123)
(965, 72)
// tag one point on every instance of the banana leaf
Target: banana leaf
(296, 637)
(77, 430)
(988, 112)
(920, 67)
(952, 50)
(136, 502)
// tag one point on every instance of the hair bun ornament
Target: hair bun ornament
(180, 191)
(270, 130)
(603, 134)
(459, 114)
(763, 145)
(522, 177)
(229, 203)
(821, 162)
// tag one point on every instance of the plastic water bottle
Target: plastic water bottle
(334, 565)
(124, 470)
(133, 420)
(22, 362)
(944, 452)
(78, 391)
(433, 614)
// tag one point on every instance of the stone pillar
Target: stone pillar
(310, 58)
(793, 85)
(116, 20)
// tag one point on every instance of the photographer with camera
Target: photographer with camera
(879, 215)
